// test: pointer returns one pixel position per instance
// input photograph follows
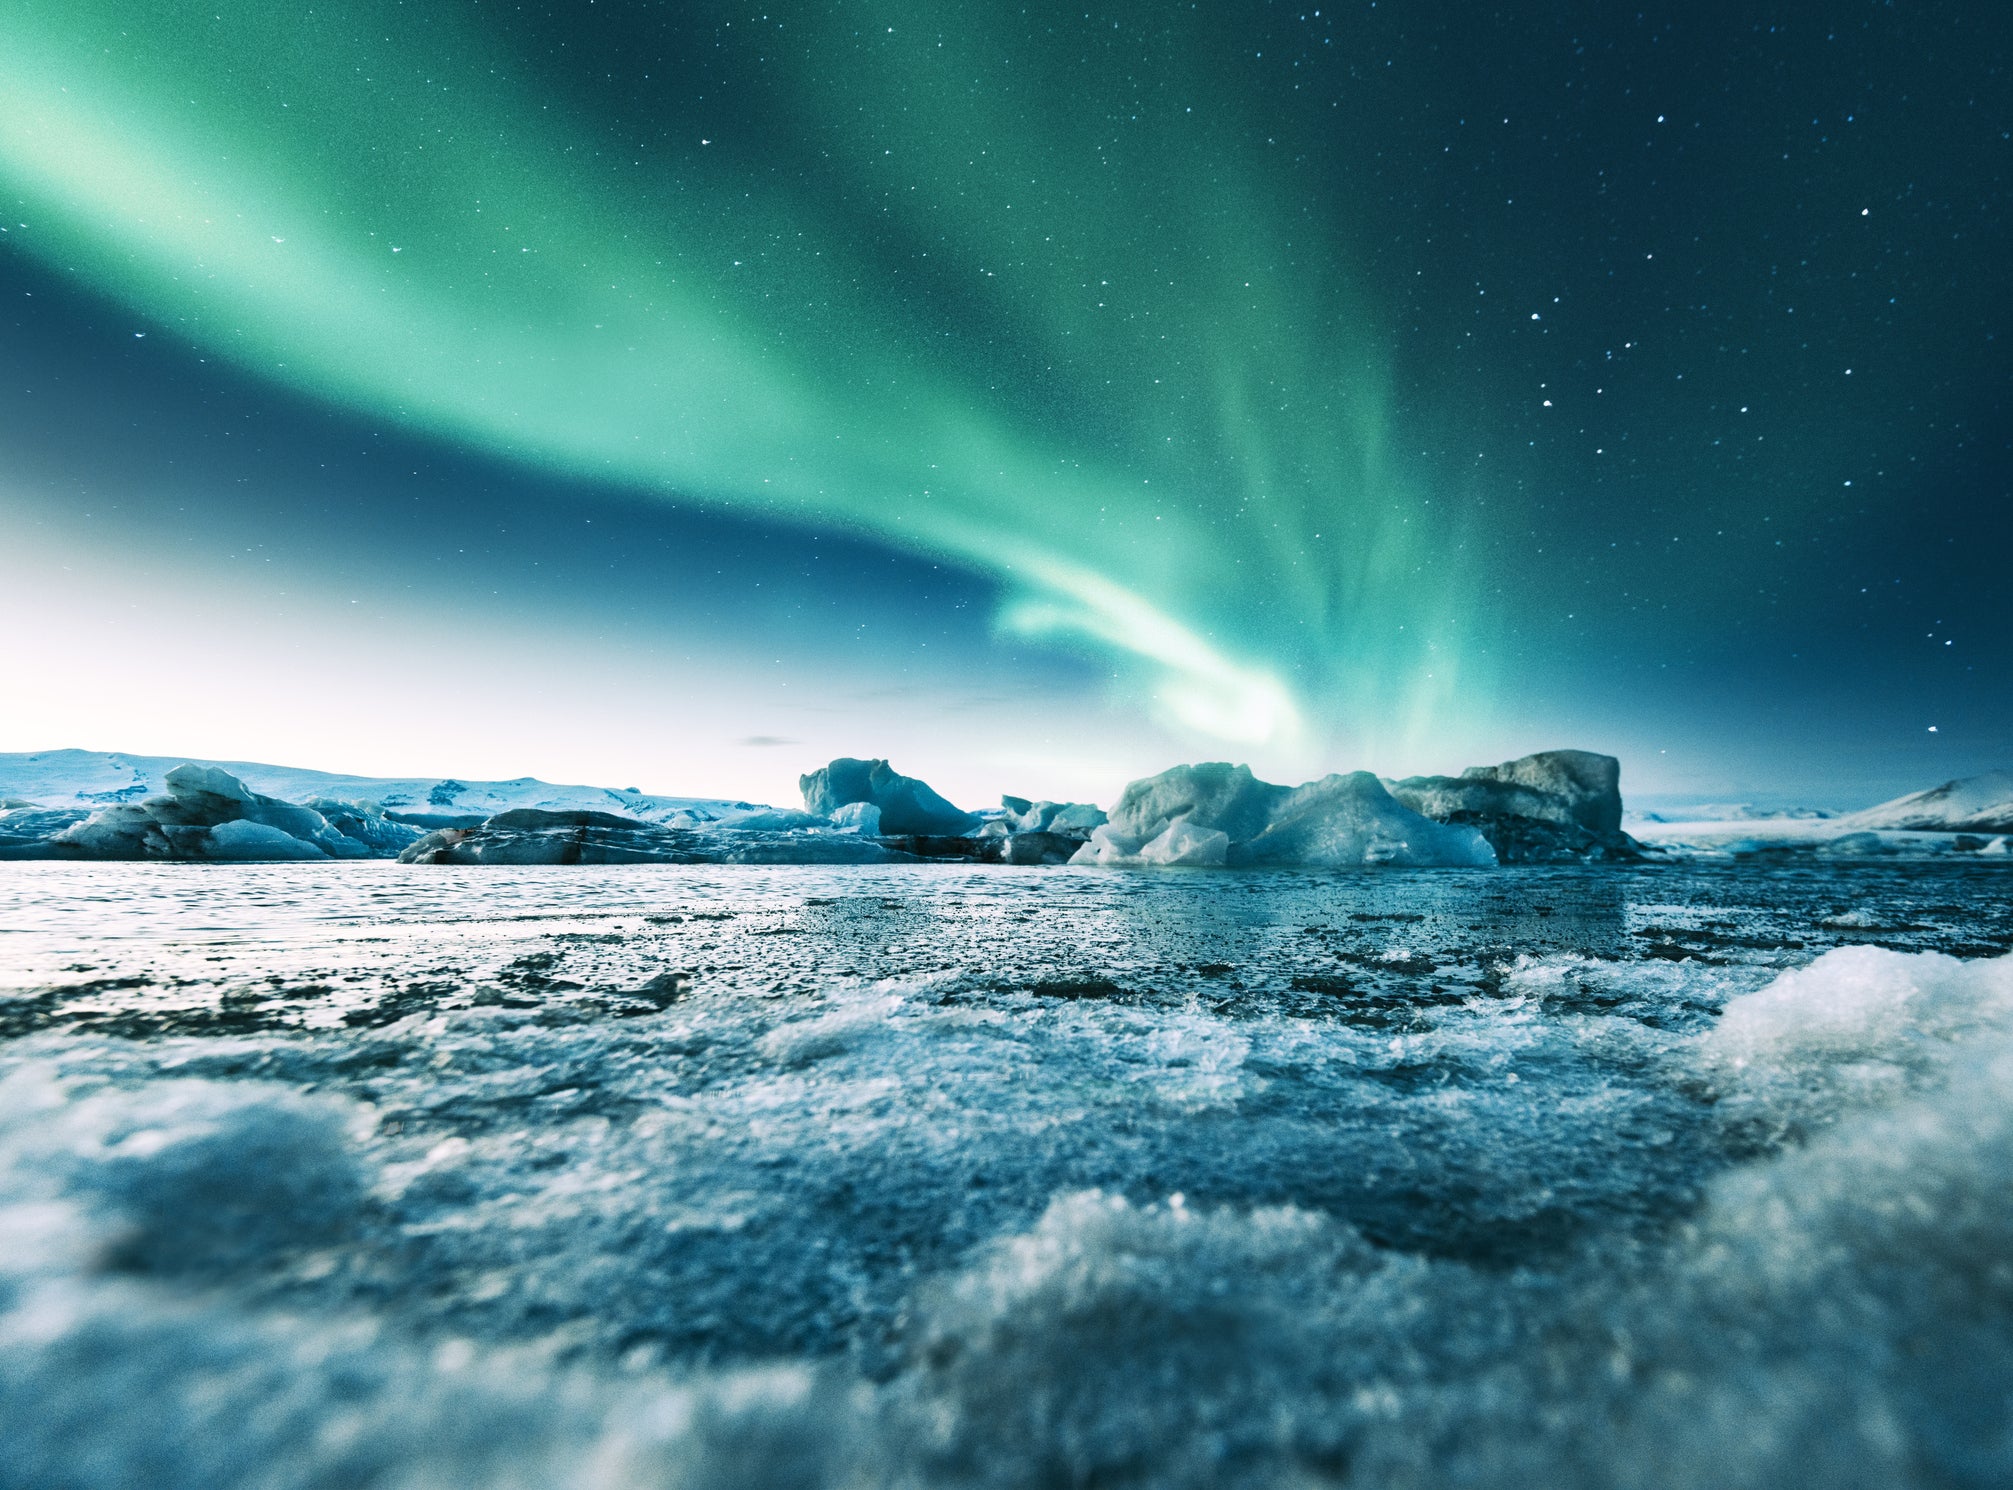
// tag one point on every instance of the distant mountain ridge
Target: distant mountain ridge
(1972, 804)
(101, 778)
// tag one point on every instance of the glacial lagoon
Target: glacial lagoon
(363, 1173)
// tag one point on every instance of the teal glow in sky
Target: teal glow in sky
(1092, 343)
(1379, 386)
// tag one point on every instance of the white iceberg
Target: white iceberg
(908, 806)
(1216, 813)
(207, 813)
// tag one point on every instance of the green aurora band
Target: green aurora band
(979, 291)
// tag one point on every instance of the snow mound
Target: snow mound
(1860, 1026)
(908, 806)
(1216, 813)
(1975, 804)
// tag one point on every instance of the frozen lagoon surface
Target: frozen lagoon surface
(368, 1174)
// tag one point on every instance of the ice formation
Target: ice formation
(1557, 805)
(206, 813)
(908, 806)
(1216, 813)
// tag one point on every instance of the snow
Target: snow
(1075, 818)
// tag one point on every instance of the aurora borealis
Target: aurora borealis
(1361, 386)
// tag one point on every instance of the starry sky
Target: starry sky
(1038, 395)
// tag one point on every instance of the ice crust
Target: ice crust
(1217, 813)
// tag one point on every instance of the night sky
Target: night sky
(678, 395)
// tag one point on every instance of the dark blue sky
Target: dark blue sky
(937, 383)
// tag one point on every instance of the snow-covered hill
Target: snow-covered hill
(97, 778)
(1976, 804)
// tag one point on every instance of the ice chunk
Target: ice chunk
(908, 806)
(206, 814)
(1216, 813)
(863, 818)
(1589, 784)
(1346, 820)
(769, 820)
(1859, 1027)
(1558, 805)
(366, 823)
(241, 838)
(1211, 795)
(1074, 819)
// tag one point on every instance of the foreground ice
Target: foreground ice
(919, 1177)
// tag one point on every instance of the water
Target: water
(926, 1175)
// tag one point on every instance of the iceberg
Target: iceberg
(1066, 818)
(1029, 832)
(1217, 814)
(908, 806)
(1555, 806)
(206, 813)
